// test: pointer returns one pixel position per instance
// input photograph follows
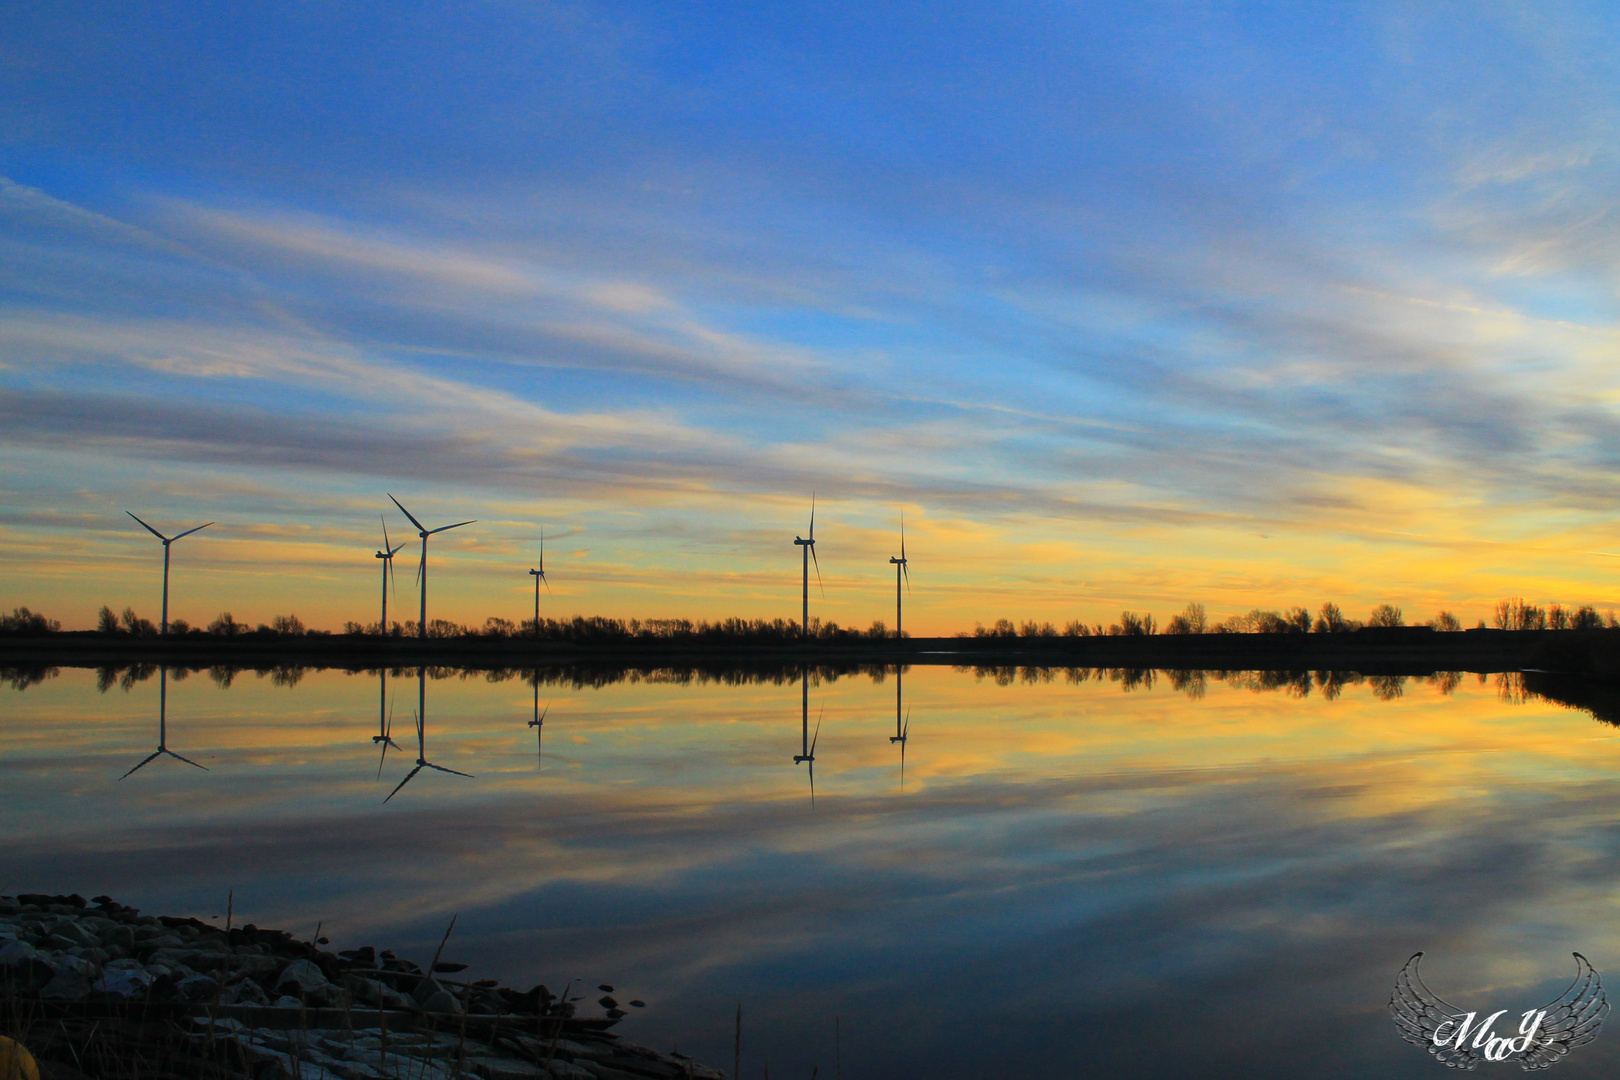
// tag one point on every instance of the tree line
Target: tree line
(1511, 614)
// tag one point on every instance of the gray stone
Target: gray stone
(504, 1068)
(123, 982)
(301, 977)
(74, 933)
(71, 981)
(442, 1001)
(374, 992)
(196, 987)
(245, 992)
(287, 1001)
(21, 964)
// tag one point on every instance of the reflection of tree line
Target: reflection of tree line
(573, 676)
(1195, 683)
(1599, 697)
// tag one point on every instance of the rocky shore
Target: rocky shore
(94, 989)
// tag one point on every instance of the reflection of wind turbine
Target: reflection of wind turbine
(809, 547)
(421, 735)
(900, 568)
(385, 722)
(901, 733)
(421, 568)
(539, 722)
(163, 723)
(167, 540)
(807, 743)
(387, 556)
(539, 575)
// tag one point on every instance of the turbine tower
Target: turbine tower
(167, 540)
(807, 742)
(539, 575)
(387, 556)
(538, 723)
(163, 727)
(385, 721)
(421, 568)
(899, 569)
(421, 731)
(901, 733)
(809, 547)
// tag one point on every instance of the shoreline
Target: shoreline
(1392, 650)
(90, 988)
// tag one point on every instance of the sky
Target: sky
(1121, 306)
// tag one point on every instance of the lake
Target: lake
(1123, 874)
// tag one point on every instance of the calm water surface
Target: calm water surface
(1070, 879)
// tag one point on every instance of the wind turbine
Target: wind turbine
(421, 733)
(539, 575)
(387, 556)
(167, 540)
(901, 734)
(809, 547)
(163, 724)
(807, 743)
(899, 569)
(421, 568)
(385, 721)
(539, 722)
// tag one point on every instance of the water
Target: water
(1072, 879)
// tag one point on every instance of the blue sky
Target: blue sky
(1122, 306)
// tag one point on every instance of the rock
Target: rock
(570, 1071)
(196, 987)
(22, 968)
(442, 1001)
(301, 977)
(245, 992)
(71, 981)
(375, 993)
(287, 1001)
(505, 1068)
(123, 982)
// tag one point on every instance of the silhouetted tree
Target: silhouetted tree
(1386, 615)
(1330, 620)
(106, 621)
(1132, 625)
(134, 624)
(1586, 618)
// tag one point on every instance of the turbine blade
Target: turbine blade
(441, 768)
(188, 532)
(403, 782)
(812, 516)
(905, 572)
(395, 550)
(548, 584)
(160, 536)
(457, 525)
(902, 537)
(817, 736)
(817, 561)
(149, 759)
(187, 760)
(386, 541)
(407, 513)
